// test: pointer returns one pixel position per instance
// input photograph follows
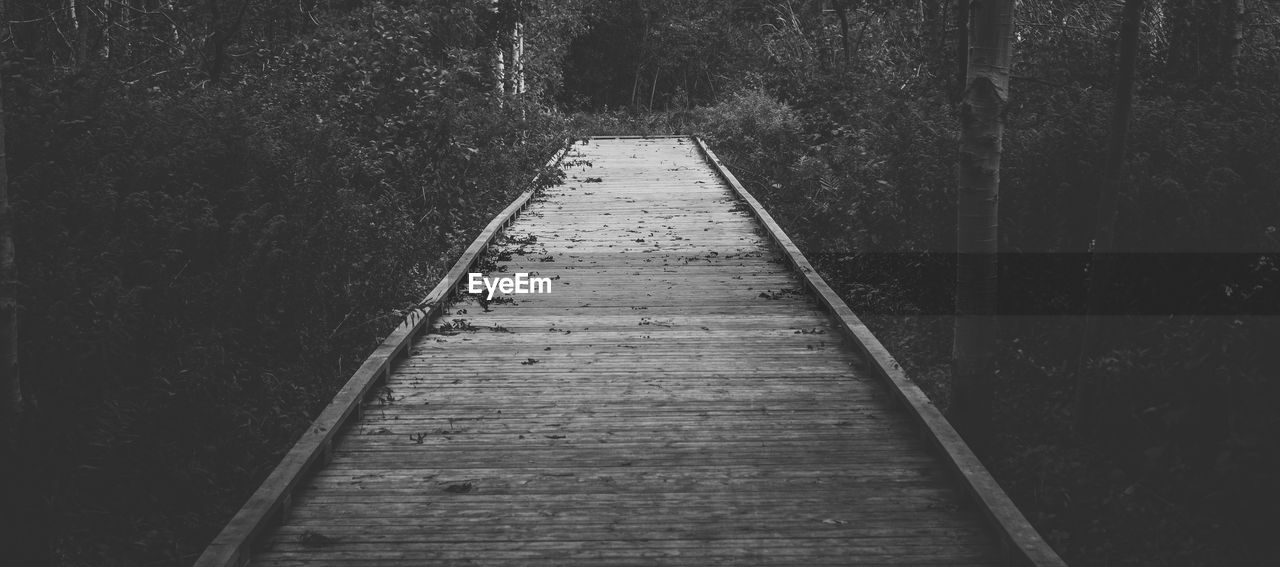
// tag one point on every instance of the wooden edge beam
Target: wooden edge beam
(650, 137)
(1020, 542)
(232, 546)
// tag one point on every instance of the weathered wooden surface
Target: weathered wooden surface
(274, 496)
(1020, 543)
(679, 398)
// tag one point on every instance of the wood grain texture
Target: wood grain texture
(1021, 544)
(678, 398)
(272, 499)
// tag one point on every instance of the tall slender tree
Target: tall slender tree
(11, 405)
(508, 47)
(1234, 38)
(1201, 35)
(15, 494)
(499, 58)
(1101, 264)
(986, 94)
(844, 28)
(517, 48)
(962, 49)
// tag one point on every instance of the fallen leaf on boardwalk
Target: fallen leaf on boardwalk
(460, 488)
(313, 539)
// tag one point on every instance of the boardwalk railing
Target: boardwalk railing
(271, 501)
(1020, 542)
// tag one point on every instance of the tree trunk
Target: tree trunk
(500, 71)
(1197, 32)
(640, 60)
(217, 50)
(518, 58)
(918, 22)
(11, 405)
(981, 131)
(1234, 38)
(653, 88)
(818, 22)
(962, 49)
(934, 43)
(1101, 264)
(844, 27)
(111, 13)
(20, 538)
(499, 57)
(221, 34)
(81, 27)
(517, 48)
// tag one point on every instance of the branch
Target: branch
(160, 13)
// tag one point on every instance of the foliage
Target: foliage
(223, 204)
(203, 267)
(855, 161)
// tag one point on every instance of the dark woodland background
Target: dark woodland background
(220, 206)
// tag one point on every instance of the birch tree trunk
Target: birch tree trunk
(500, 71)
(517, 49)
(520, 87)
(499, 58)
(986, 94)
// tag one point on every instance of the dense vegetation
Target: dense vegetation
(205, 258)
(1174, 460)
(220, 206)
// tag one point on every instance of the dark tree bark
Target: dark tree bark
(23, 538)
(962, 49)
(221, 34)
(934, 43)
(1200, 36)
(11, 405)
(1234, 38)
(986, 95)
(1101, 265)
(80, 21)
(844, 28)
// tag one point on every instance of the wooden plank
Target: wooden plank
(653, 409)
(231, 546)
(1023, 544)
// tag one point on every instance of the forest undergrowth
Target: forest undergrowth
(1176, 461)
(214, 229)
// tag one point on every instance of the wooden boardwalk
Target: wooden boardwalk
(679, 397)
